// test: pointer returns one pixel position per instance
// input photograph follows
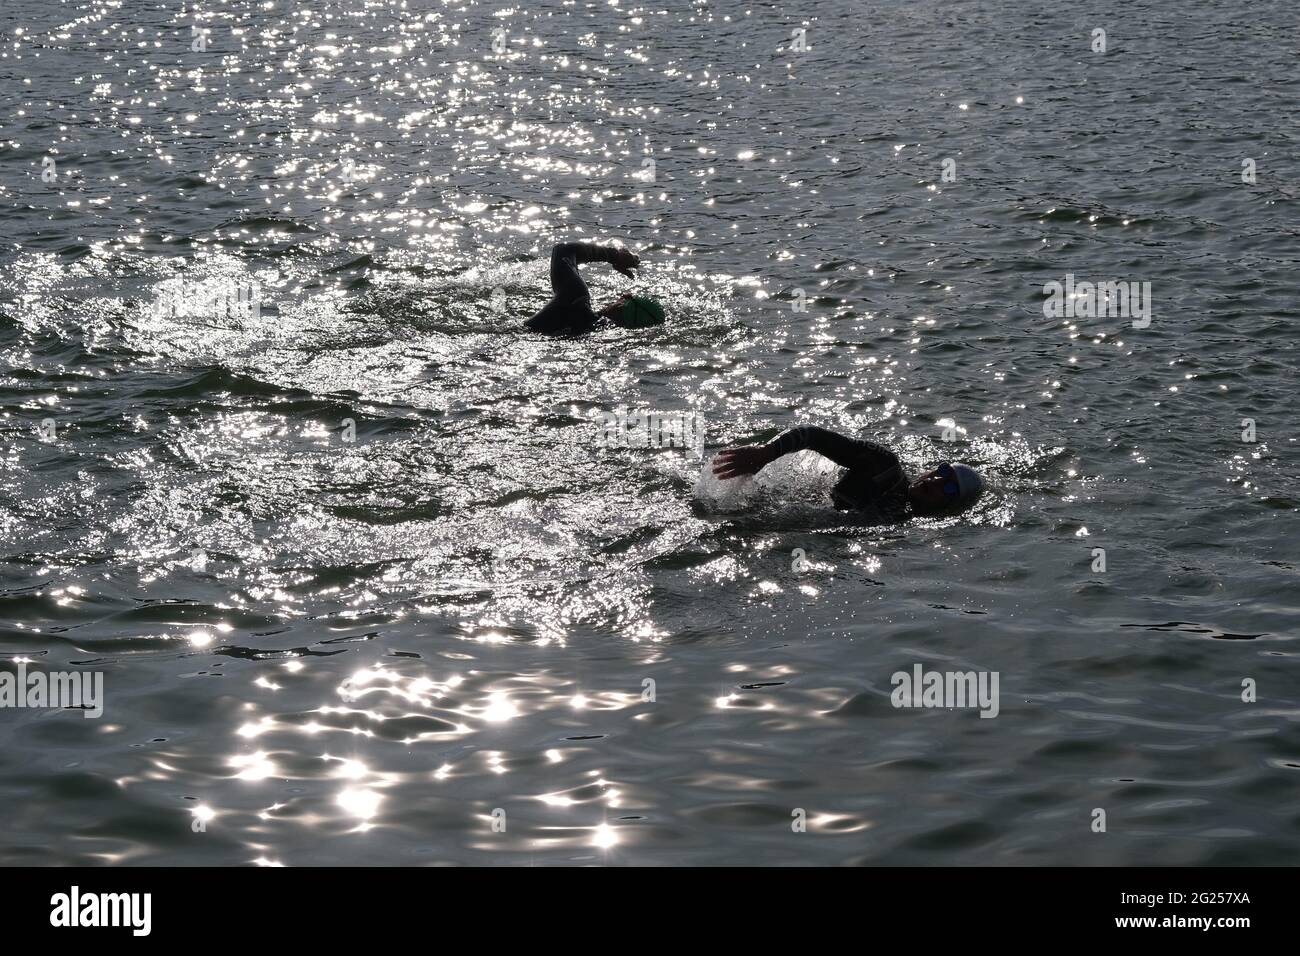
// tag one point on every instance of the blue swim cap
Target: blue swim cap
(969, 483)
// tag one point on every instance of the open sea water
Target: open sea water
(368, 583)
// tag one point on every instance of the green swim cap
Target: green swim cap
(638, 311)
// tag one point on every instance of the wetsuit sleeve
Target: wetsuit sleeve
(570, 308)
(851, 453)
(874, 475)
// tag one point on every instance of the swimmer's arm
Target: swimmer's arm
(844, 451)
(580, 253)
(566, 281)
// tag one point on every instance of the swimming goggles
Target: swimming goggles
(950, 486)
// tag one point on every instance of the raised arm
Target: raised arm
(584, 252)
(567, 256)
(566, 281)
(844, 451)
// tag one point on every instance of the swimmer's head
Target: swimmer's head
(637, 312)
(949, 488)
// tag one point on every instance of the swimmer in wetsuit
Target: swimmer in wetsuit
(569, 312)
(875, 476)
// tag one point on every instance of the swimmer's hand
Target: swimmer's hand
(745, 460)
(625, 260)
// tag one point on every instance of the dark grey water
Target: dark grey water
(319, 650)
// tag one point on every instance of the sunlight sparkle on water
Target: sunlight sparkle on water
(359, 802)
(499, 709)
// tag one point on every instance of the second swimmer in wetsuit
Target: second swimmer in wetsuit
(569, 312)
(875, 476)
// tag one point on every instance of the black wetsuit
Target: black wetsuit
(875, 477)
(569, 311)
